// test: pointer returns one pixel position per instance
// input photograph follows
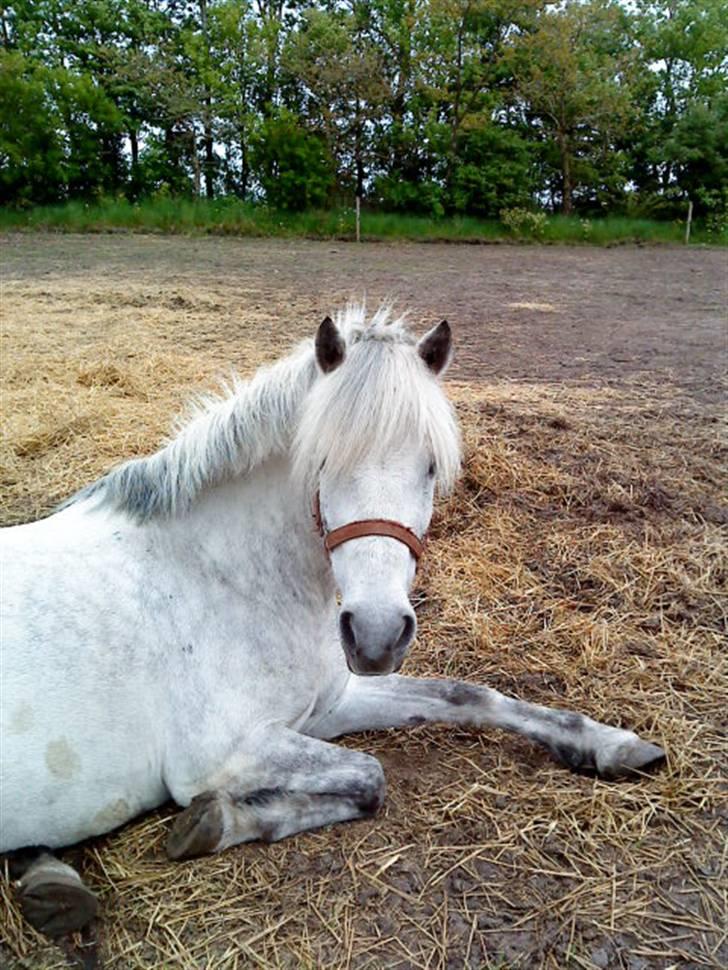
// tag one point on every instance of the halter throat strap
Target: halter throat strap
(367, 527)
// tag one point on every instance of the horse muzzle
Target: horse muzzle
(376, 640)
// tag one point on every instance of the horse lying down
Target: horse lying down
(173, 631)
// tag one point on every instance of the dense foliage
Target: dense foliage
(421, 106)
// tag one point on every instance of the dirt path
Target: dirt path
(520, 313)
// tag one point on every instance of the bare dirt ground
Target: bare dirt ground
(519, 313)
(581, 563)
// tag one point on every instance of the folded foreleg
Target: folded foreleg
(294, 783)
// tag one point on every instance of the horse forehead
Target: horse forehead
(380, 479)
(388, 467)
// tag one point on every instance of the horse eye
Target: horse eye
(432, 469)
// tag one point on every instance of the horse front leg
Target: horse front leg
(292, 783)
(573, 739)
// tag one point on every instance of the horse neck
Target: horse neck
(260, 526)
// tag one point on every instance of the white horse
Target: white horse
(173, 631)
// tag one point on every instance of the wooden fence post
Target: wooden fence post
(358, 218)
(689, 222)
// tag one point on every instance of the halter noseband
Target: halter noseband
(366, 527)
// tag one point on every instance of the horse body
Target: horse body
(179, 629)
(181, 646)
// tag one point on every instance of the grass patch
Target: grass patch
(230, 216)
(615, 229)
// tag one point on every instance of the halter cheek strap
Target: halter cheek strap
(366, 527)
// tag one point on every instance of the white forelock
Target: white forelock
(381, 398)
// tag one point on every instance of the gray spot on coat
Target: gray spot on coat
(21, 720)
(461, 695)
(61, 760)
(115, 813)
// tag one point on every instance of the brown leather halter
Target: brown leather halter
(366, 527)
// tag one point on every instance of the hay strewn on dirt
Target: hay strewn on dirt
(581, 563)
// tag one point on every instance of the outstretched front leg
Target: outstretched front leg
(287, 784)
(573, 739)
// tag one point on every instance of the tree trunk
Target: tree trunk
(244, 169)
(567, 181)
(6, 32)
(268, 12)
(209, 153)
(358, 150)
(112, 159)
(207, 139)
(134, 144)
(195, 162)
(455, 121)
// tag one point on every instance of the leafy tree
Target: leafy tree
(680, 149)
(462, 39)
(292, 164)
(697, 150)
(572, 77)
(32, 159)
(495, 169)
(437, 106)
(448, 57)
(399, 148)
(344, 94)
(240, 52)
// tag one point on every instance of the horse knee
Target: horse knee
(370, 788)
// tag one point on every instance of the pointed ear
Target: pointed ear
(330, 348)
(435, 348)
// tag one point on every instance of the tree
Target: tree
(437, 106)
(448, 56)
(343, 91)
(32, 159)
(572, 78)
(681, 149)
(697, 151)
(292, 164)
(494, 170)
(236, 38)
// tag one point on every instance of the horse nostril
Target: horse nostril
(347, 629)
(408, 630)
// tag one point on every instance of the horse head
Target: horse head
(383, 437)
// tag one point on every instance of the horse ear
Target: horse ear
(330, 348)
(435, 348)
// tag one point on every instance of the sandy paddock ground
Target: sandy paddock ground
(581, 563)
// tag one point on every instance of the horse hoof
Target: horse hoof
(55, 903)
(632, 757)
(198, 830)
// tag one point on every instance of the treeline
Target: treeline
(432, 106)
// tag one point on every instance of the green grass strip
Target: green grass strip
(230, 216)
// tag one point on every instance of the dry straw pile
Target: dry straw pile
(581, 564)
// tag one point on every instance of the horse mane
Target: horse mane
(376, 397)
